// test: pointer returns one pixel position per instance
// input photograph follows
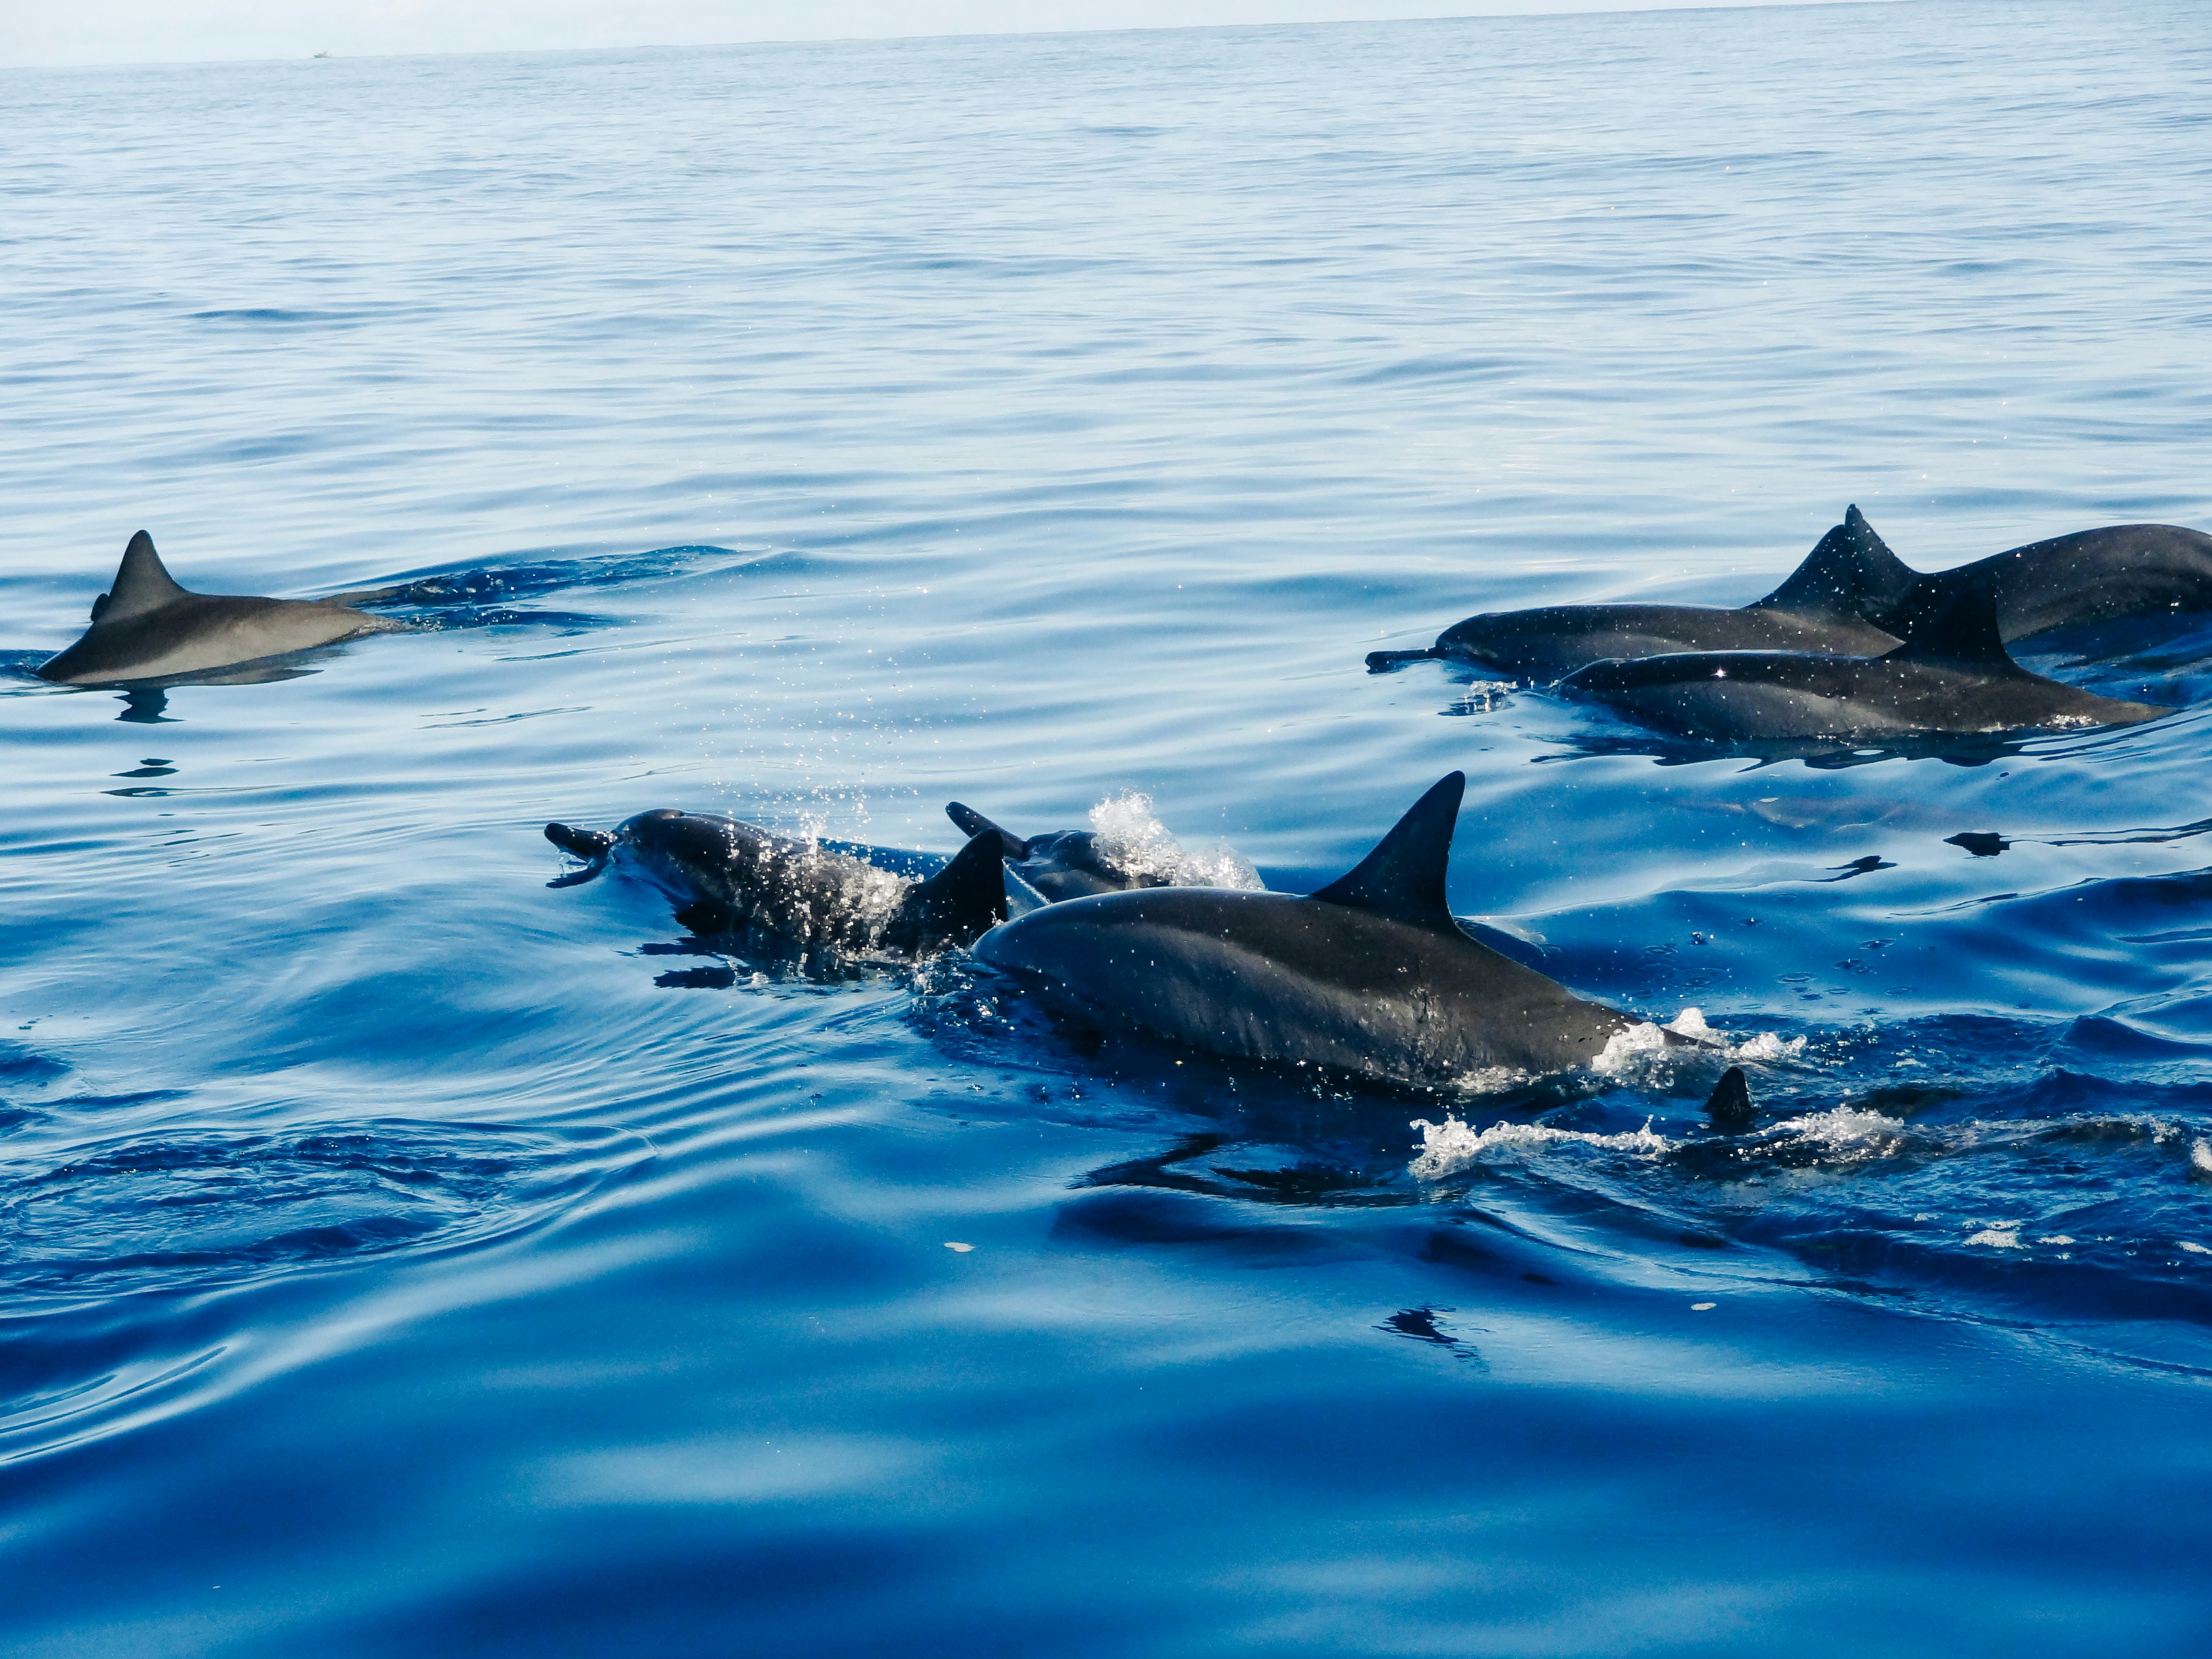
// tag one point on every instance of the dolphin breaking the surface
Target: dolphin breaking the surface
(1853, 597)
(2089, 576)
(1370, 975)
(147, 627)
(1064, 865)
(1824, 606)
(729, 876)
(1953, 677)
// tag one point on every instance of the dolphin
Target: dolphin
(1850, 575)
(2089, 576)
(729, 876)
(1953, 677)
(1064, 865)
(1369, 975)
(147, 627)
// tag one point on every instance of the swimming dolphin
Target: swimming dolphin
(147, 627)
(1370, 975)
(2089, 576)
(1953, 677)
(730, 878)
(1064, 865)
(1824, 606)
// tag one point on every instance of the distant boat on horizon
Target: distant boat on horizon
(322, 54)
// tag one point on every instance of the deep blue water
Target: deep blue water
(398, 1257)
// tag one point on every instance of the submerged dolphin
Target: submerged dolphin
(1850, 574)
(147, 627)
(731, 877)
(1953, 677)
(1369, 974)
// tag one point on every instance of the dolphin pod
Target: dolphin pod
(1853, 597)
(146, 627)
(1370, 975)
(1952, 676)
(729, 876)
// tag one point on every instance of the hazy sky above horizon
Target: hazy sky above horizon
(39, 32)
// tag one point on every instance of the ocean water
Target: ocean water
(398, 1255)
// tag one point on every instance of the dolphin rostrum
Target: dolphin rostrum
(1850, 575)
(729, 876)
(1953, 677)
(147, 627)
(1370, 975)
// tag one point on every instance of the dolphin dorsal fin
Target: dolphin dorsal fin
(1403, 879)
(960, 902)
(1957, 628)
(140, 584)
(973, 823)
(1850, 572)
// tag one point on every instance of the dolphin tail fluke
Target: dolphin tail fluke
(1729, 1108)
(1850, 572)
(592, 846)
(957, 905)
(973, 823)
(1381, 662)
(141, 584)
(1403, 879)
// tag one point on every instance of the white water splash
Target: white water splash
(1999, 1235)
(1132, 840)
(1846, 1131)
(2200, 1155)
(1450, 1146)
(1636, 1047)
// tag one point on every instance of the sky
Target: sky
(61, 32)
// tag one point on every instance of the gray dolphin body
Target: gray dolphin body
(2090, 576)
(1850, 576)
(147, 627)
(1064, 865)
(729, 876)
(1370, 975)
(1953, 677)
(1853, 597)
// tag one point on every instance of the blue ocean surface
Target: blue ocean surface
(398, 1255)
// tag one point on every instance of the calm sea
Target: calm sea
(397, 1256)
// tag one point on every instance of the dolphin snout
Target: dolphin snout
(584, 844)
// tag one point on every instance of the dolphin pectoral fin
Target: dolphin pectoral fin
(141, 584)
(1403, 879)
(1383, 662)
(704, 919)
(592, 846)
(973, 823)
(1730, 1106)
(1850, 572)
(957, 905)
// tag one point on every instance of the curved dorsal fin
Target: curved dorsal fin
(1850, 572)
(973, 823)
(958, 905)
(1957, 627)
(140, 584)
(1403, 879)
